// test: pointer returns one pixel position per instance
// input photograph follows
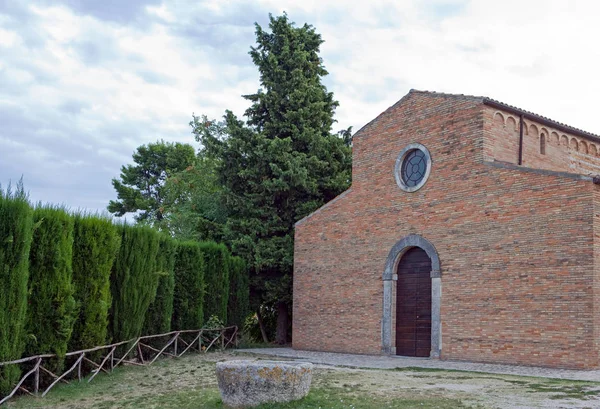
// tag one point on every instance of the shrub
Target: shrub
(216, 261)
(52, 308)
(158, 317)
(16, 222)
(95, 245)
(238, 306)
(133, 281)
(189, 294)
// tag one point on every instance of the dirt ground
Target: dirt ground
(174, 382)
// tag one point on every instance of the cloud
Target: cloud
(117, 11)
(83, 83)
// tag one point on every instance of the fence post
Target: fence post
(36, 387)
(222, 339)
(79, 368)
(176, 346)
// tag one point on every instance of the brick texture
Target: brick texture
(517, 250)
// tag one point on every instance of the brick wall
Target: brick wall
(563, 152)
(516, 247)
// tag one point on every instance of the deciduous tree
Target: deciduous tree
(140, 187)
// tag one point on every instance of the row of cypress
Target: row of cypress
(70, 282)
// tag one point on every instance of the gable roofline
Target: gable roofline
(498, 105)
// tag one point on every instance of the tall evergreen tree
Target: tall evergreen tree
(16, 227)
(95, 245)
(133, 281)
(158, 316)
(52, 308)
(283, 162)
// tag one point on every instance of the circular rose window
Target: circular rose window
(412, 167)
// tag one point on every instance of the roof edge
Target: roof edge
(545, 172)
(541, 119)
(425, 93)
(335, 199)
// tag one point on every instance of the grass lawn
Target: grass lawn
(190, 382)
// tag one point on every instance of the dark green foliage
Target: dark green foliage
(238, 306)
(283, 162)
(16, 224)
(141, 186)
(188, 300)
(194, 207)
(95, 246)
(52, 308)
(133, 281)
(158, 316)
(216, 277)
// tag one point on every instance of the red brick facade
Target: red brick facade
(516, 244)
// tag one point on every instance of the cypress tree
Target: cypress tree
(238, 305)
(216, 261)
(189, 294)
(52, 307)
(133, 281)
(158, 317)
(95, 246)
(280, 164)
(16, 225)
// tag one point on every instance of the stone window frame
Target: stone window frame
(390, 277)
(398, 167)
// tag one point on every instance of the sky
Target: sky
(83, 83)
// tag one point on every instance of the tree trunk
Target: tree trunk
(261, 325)
(282, 323)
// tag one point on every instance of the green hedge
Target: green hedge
(189, 294)
(216, 278)
(133, 281)
(238, 306)
(158, 316)
(95, 246)
(52, 307)
(16, 222)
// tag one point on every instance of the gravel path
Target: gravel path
(390, 362)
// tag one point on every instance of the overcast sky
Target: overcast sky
(84, 82)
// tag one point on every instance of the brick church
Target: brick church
(471, 232)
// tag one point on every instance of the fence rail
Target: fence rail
(139, 352)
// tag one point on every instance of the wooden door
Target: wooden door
(413, 304)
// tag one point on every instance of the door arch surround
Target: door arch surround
(410, 241)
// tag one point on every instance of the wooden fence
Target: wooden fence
(138, 352)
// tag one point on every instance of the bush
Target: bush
(95, 246)
(238, 306)
(158, 317)
(52, 308)
(16, 223)
(189, 294)
(133, 281)
(216, 261)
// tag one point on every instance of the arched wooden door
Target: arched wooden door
(413, 304)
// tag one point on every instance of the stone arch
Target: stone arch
(592, 150)
(583, 148)
(564, 141)
(498, 117)
(555, 138)
(533, 130)
(511, 123)
(573, 144)
(410, 241)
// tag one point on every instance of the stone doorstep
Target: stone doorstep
(391, 362)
